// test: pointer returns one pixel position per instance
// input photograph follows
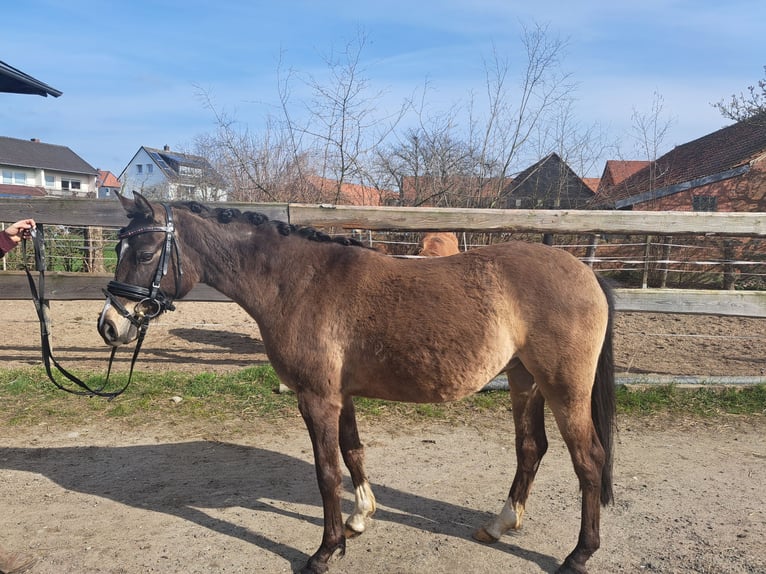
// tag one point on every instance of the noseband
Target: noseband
(151, 301)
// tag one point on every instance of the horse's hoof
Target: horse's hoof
(568, 568)
(351, 533)
(481, 535)
(314, 569)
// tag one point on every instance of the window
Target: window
(70, 184)
(188, 170)
(149, 168)
(704, 203)
(14, 177)
(50, 181)
(139, 168)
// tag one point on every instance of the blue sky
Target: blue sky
(131, 72)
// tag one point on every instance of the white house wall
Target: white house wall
(132, 180)
(35, 177)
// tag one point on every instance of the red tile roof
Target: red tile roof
(728, 148)
(592, 183)
(107, 179)
(617, 170)
(349, 193)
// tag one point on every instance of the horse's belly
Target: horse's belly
(421, 387)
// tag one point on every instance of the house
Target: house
(107, 184)
(33, 168)
(722, 171)
(548, 184)
(166, 174)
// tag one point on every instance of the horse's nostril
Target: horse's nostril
(109, 332)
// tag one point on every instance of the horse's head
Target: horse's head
(149, 275)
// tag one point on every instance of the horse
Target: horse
(439, 244)
(339, 320)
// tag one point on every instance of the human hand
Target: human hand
(20, 230)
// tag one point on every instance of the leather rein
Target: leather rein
(151, 302)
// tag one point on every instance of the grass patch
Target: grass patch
(29, 398)
(696, 401)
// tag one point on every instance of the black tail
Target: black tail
(603, 402)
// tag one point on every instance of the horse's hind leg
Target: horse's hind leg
(573, 416)
(531, 445)
(353, 455)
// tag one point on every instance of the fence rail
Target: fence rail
(109, 214)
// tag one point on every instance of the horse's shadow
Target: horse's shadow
(245, 476)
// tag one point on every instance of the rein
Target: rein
(151, 303)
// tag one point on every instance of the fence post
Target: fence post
(729, 277)
(666, 258)
(647, 251)
(590, 255)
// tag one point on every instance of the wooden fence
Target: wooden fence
(108, 213)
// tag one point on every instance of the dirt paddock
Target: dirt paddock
(240, 496)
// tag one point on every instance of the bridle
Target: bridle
(151, 302)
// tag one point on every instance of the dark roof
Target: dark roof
(550, 181)
(171, 163)
(35, 154)
(15, 81)
(720, 154)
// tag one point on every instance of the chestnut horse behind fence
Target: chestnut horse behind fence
(339, 320)
(439, 244)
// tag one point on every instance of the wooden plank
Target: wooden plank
(108, 213)
(530, 220)
(692, 301)
(101, 212)
(79, 286)
(61, 286)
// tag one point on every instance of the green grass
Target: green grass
(29, 398)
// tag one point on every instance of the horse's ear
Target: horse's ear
(137, 206)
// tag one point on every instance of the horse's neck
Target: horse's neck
(224, 256)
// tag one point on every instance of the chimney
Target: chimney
(166, 147)
(36, 140)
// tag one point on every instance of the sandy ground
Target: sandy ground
(240, 496)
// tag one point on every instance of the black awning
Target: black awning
(15, 81)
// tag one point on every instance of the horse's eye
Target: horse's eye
(145, 256)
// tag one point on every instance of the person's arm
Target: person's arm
(6, 243)
(14, 234)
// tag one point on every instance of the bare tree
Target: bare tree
(502, 141)
(745, 106)
(264, 167)
(648, 133)
(342, 126)
(445, 161)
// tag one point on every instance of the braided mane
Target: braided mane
(227, 215)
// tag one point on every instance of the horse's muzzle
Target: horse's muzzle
(114, 328)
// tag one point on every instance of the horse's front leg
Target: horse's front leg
(321, 416)
(353, 455)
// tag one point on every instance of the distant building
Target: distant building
(548, 184)
(722, 171)
(107, 184)
(166, 174)
(33, 168)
